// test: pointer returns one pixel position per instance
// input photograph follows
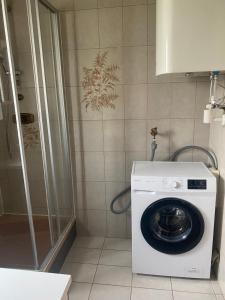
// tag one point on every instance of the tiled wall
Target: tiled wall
(107, 141)
(217, 143)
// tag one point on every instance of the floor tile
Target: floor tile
(113, 275)
(82, 255)
(115, 258)
(220, 297)
(192, 285)
(216, 287)
(152, 282)
(89, 242)
(109, 292)
(79, 291)
(147, 294)
(80, 272)
(192, 296)
(117, 244)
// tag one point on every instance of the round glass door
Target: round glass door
(172, 225)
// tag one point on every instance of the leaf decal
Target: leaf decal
(99, 84)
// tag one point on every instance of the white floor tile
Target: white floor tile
(220, 297)
(117, 244)
(80, 272)
(83, 255)
(115, 258)
(147, 294)
(192, 296)
(89, 242)
(113, 275)
(110, 292)
(216, 287)
(192, 285)
(79, 291)
(152, 282)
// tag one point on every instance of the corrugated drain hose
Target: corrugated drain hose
(115, 199)
(211, 155)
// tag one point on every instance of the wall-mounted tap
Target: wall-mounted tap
(154, 132)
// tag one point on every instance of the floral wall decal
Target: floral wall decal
(99, 84)
(30, 135)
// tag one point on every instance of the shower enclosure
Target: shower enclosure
(36, 189)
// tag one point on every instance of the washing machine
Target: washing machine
(173, 207)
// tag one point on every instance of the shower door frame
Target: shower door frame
(37, 47)
(13, 84)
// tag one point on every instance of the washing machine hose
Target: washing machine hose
(126, 190)
(209, 153)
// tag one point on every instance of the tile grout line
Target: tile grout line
(171, 285)
(101, 249)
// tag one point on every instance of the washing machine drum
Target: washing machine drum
(172, 225)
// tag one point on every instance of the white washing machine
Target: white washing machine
(173, 207)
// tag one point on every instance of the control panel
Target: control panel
(197, 184)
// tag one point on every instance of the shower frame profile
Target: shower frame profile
(45, 130)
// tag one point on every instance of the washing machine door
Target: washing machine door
(172, 225)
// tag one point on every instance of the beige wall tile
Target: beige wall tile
(113, 189)
(82, 222)
(183, 100)
(152, 24)
(134, 2)
(110, 26)
(116, 225)
(68, 29)
(201, 133)
(76, 135)
(85, 4)
(159, 100)
(134, 65)
(135, 135)
(70, 67)
(135, 25)
(96, 222)
(109, 3)
(63, 4)
(73, 103)
(202, 98)
(181, 133)
(113, 135)
(135, 97)
(79, 167)
(92, 136)
(91, 195)
(132, 156)
(93, 166)
(86, 26)
(200, 156)
(115, 166)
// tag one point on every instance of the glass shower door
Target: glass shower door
(44, 32)
(17, 237)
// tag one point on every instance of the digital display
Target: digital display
(197, 184)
